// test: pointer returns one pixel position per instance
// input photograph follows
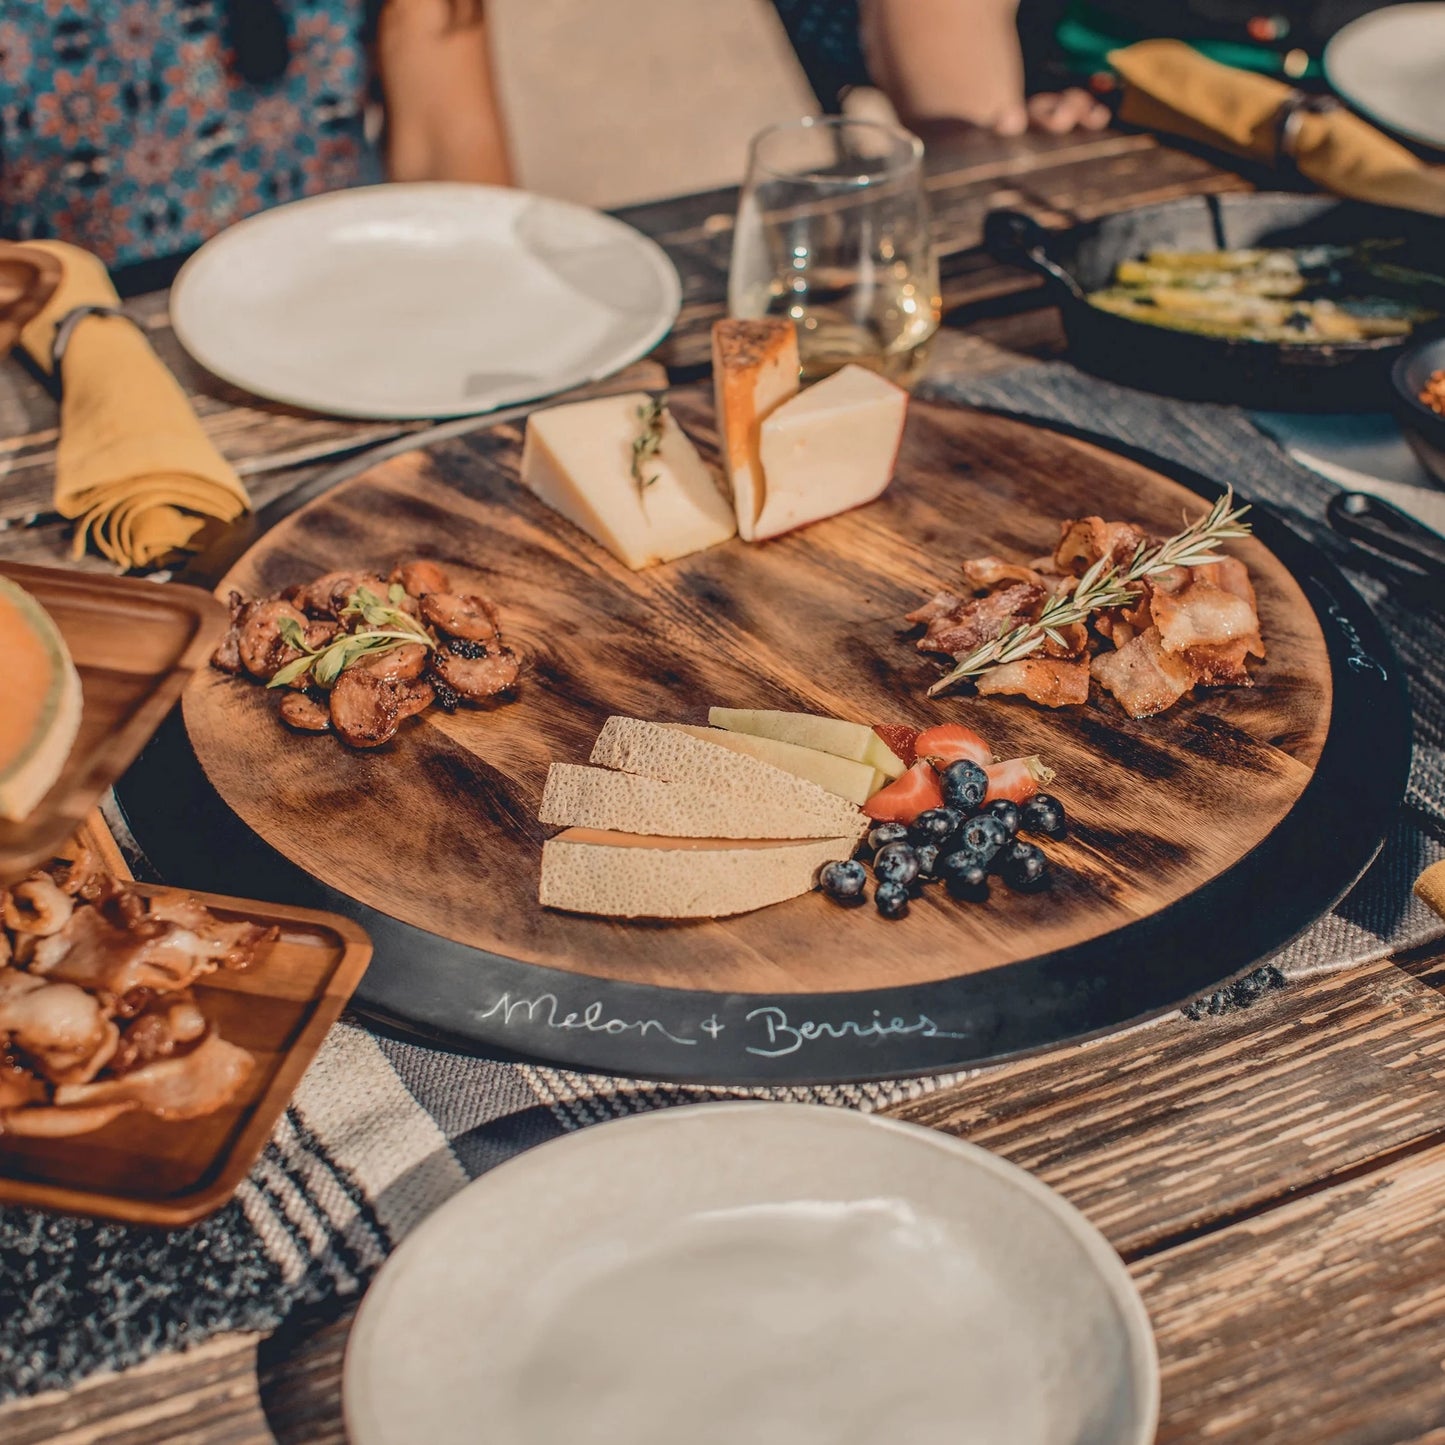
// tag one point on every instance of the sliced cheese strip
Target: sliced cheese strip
(830, 448)
(639, 877)
(40, 715)
(656, 750)
(578, 460)
(854, 782)
(812, 730)
(631, 803)
(754, 369)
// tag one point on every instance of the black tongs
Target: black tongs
(1385, 528)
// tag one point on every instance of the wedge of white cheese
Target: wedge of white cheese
(584, 797)
(831, 448)
(578, 459)
(621, 875)
(657, 750)
(853, 781)
(754, 369)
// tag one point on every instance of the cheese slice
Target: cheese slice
(656, 750)
(812, 730)
(578, 460)
(831, 448)
(40, 714)
(631, 803)
(754, 369)
(630, 876)
(854, 781)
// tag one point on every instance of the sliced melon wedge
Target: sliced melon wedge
(855, 741)
(854, 781)
(41, 712)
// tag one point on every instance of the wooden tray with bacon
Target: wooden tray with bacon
(152, 1036)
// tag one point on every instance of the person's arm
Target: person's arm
(442, 120)
(961, 60)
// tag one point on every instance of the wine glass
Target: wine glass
(833, 231)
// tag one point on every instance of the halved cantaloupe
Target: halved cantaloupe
(40, 715)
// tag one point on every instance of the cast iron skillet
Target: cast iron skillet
(1346, 376)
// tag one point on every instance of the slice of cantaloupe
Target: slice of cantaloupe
(40, 715)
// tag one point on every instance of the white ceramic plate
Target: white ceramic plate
(1390, 65)
(753, 1274)
(423, 300)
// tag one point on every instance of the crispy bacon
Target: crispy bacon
(984, 573)
(1204, 615)
(1142, 676)
(1083, 542)
(981, 619)
(1047, 681)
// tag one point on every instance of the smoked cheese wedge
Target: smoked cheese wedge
(621, 875)
(584, 797)
(657, 750)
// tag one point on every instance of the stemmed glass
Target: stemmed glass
(833, 231)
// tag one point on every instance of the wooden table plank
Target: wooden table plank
(1323, 1320)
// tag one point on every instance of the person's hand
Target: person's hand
(1062, 111)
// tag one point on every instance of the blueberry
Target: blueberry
(1043, 813)
(886, 833)
(936, 825)
(1025, 867)
(891, 899)
(984, 836)
(928, 860)
(965, 875)
(896, 863)
(964, 784)
(842, 880)
(1006, 812)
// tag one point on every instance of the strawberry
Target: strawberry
(899, 739)
(952, 743)
(906, 797)
(1016, 779)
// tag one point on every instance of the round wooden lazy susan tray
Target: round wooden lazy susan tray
(1201, 839)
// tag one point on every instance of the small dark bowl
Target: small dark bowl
(1424, 429)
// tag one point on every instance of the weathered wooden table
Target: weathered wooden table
(1273, 1176)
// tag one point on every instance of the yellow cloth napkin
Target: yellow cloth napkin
(1430, 887)
(1169, 86)
(133, 467)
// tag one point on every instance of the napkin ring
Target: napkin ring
(1290, 117)
(65, 328)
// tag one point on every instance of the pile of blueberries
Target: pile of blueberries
(959, 844)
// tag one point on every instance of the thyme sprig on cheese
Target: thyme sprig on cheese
(1104, 586)
(651, 417)
(388, 627)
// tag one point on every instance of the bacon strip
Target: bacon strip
(1047, 681)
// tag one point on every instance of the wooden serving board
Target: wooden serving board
(438, 830)
(134, 644)
(150, 1171)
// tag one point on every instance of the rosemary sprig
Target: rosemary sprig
(647, 443)
(388, 628)
(1104, 586)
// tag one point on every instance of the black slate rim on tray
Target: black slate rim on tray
(447, 993)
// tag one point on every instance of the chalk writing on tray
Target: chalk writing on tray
(778, 1035)
(593, 1018)
(1358, 659)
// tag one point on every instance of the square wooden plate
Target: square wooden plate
(135, 644)
(146, 1170)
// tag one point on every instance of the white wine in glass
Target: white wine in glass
(833, 231)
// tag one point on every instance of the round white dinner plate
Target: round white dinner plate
(425, 300)
(753, 1274)
(1390, 65)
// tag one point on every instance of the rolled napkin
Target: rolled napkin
(1430, 887)
(133, 468)
(1170, 87)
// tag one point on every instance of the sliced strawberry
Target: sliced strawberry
(950, 743)
(1016, 779)
(899, 740)
(906, 797)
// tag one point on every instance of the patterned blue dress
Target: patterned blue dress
(127, 126)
